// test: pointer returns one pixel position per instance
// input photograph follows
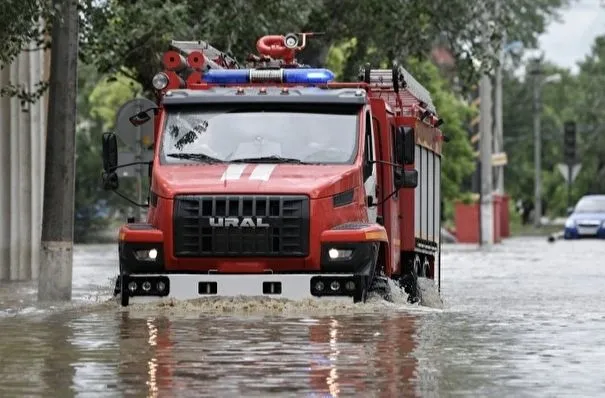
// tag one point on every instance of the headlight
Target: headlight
(339, 254)
(160, 81)
(146, 254)
(570, 223)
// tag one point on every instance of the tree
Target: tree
(130, 35)
(578, 98)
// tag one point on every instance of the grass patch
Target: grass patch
(530, 230)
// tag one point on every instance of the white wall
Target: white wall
(22, 152)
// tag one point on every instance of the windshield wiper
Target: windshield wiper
(195, 156)
(268, 159)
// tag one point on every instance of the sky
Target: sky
(569, 41)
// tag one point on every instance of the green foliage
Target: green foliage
(109, 95)
(576, 98)
(122, 34)
(20, 28)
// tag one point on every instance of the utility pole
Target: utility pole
(485, 154)
(537, 108)
(499, 133)
(569, 154)
(56, 257)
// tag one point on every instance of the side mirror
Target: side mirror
(406, 145)
(408, 179)
(110, 162)
(140, 118)
(110, 152)
(569, 211)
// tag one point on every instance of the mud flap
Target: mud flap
(366, 280)
(124, 293)
(361, 294)
(117, 287)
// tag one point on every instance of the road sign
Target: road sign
(564, 169)
(499, 159)
(138, 139)
(129, 157)
(131, 135)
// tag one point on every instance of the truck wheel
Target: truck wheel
(124, 293)
(409, 281)
(426, 268)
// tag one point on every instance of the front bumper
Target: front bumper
(349, 255)
(282, 286)
(579, 232)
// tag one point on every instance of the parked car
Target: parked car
(586, 219)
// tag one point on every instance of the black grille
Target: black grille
(219, 225)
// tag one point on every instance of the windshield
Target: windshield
(234, 132)
(591, 205)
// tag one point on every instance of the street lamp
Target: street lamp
(538, 85)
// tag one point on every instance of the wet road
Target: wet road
(524, 319)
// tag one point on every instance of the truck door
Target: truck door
(369, 169)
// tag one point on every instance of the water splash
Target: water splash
(430, 294)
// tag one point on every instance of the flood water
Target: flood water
(523, 319)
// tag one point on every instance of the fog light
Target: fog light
(335, 285)
(161, 286)
(153, 254)
(335, 254)
(146, 286)
(319, 286)
(350, 286)
(132, 286)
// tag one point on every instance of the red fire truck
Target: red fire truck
(272, 179)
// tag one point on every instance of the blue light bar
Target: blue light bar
(227, 76)
(308, 76)
(290, 76)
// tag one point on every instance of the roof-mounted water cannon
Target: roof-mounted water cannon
(282, 48)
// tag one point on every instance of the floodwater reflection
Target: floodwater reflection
(255, 356)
